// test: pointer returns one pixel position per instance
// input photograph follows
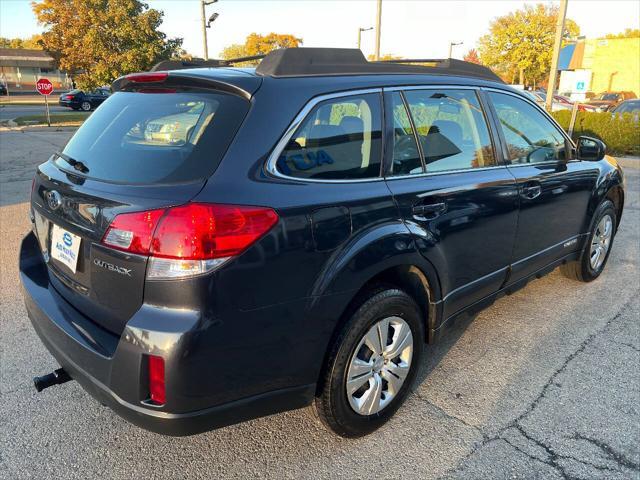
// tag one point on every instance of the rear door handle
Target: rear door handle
(429, 210)
(531, 191)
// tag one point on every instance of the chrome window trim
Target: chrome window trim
(446, 172)
(440, 86)
(271, 166)
(535, 105)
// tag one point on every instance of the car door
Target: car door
(451, 189)
(553, 187)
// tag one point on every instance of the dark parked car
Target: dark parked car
(220, 244)
(3, 89)
(605, 101)
(628, 106)
(79, 100)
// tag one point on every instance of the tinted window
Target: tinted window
(530, 136)
(340, 140)
(627, 107)
(156, 138)
(451, 128)
(406, 156)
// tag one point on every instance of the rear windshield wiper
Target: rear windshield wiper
(81, 167)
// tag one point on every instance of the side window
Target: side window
(451, 128)
(406, 156)
(530, 136)
(341, 139)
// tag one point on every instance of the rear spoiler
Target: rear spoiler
(168, 81)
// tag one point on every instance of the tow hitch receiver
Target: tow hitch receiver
(55, 378)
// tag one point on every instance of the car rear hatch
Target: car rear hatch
(151, 145)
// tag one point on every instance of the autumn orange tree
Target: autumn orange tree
(472, 56)
(256, 44)
(99, 40)
(519, 45)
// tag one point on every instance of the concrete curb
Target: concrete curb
(64, 127)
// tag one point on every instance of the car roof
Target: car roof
(326, 70)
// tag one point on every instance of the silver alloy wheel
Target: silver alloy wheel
(86, 106)
(601, 241)
(379, 365)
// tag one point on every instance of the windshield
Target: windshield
(151, 138)
(608, 96)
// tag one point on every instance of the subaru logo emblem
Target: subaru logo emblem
(54, 200)
(66, 238)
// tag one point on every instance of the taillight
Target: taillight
(69, 97)
(189, 239)
(133, 232)
(157, 387)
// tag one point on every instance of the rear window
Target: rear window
(155, 138)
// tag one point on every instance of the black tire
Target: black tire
(582, 270)
(332, 404)
(85, 106)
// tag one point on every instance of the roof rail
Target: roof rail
(200, 63)
(300, 62)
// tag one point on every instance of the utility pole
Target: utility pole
(205, 25)
(360, 30)
(451, 45)
(378, 25)
(553, 74)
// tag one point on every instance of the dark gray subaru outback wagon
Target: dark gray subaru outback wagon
(217, 244)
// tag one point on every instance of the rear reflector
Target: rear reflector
(157, 390)
(189, 239)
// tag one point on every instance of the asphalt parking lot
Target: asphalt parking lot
(543, 384)
(9, 112)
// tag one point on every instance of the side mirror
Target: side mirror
(590, 149)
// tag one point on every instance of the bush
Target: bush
(621, 133)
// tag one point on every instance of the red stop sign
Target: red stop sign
(44, 86)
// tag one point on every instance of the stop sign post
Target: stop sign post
(45, 87)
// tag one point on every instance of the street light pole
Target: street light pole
(451, 45)
(378, 25)
(360, 30)
(204, 31)
(203, 18)
(553, 74)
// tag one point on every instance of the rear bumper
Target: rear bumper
(113, 369)
(69, 104)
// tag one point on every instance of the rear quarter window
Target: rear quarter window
(156, 138)
(340, 139)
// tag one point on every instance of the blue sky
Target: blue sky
(412, 28)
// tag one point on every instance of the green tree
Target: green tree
(519, 45)
(628, 33)
(33, 42)
(100, 40)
